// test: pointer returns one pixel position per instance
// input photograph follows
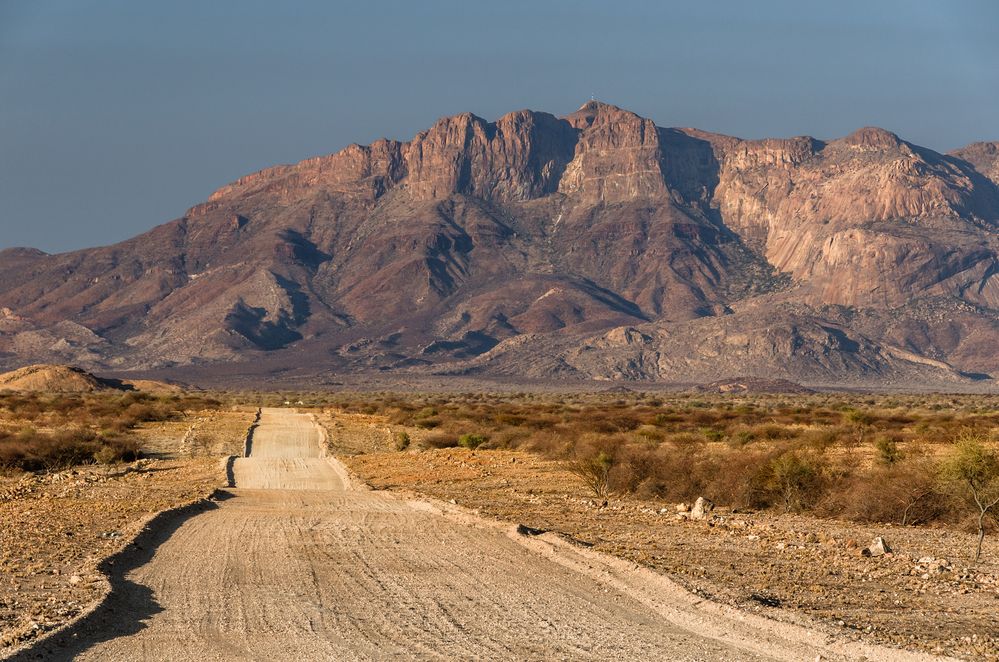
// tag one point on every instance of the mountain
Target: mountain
(597, 245)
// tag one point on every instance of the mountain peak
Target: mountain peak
(873, 137)
(543, 235)
(595, 106)
(593, 109)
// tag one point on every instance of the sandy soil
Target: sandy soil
(795, 568)
(55, 529)
(321, 569)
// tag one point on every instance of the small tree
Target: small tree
(917, 487)
(862, 421)
(888, 451)
(594, 470)
(975, 467)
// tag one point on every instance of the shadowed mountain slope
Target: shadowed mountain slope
(598, 245)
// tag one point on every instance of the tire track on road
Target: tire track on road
(295, 564)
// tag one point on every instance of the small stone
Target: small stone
(938, 567)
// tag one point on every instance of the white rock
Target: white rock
(878, 547)
(702, 507)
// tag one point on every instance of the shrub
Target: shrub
(687, 438)
(651, 433)
(975, 469)
(665, 418)
(905, 492)
(713, 434)
(822, 438)
(634, 465)
(441, 440)
(401, 439)
(773, 432)
(888, 451)
(34, 451)
(503, 418)
(594, 471)
(106, 455)
(471, 440)
(794, 480)
(743, 437)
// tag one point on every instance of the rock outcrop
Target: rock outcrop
(597, 245)
(70, 379)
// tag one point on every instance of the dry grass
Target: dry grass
(867, 458)
(47, 432)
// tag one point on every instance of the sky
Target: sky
(116, 116)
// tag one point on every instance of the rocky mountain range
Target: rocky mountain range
(593, 246)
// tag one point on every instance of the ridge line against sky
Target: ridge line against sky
(118, 116)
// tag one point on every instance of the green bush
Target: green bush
(973, 468)
(888, 451)
(472, 440)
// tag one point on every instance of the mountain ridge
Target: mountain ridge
(544, 235)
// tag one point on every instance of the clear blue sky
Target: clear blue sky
(116, 116)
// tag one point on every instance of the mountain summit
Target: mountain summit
(597, 245)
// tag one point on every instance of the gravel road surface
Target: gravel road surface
(296, 564)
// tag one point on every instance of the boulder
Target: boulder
(702, 508)
(878, 547)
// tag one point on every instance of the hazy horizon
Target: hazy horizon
(118, 117)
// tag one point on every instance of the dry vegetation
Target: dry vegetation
(803, 484)
(800, 481)
(67, 501)
(861, 458)
(48, 432)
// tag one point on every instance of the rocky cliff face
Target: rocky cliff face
(984, 157)
(596, 245)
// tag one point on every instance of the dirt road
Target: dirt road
(297, 565)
